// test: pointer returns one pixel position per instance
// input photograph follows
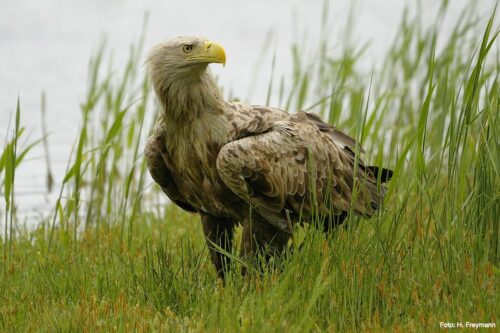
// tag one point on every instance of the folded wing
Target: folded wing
(297, 167)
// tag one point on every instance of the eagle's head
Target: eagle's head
(178, 72)
(183, 57)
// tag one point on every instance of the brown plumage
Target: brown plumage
(235, 163)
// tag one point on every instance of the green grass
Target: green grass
(113, 257)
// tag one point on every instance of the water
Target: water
(46, 46)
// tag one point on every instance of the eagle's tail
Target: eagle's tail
(377, 193)
(384, 174)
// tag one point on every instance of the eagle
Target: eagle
(257, 166)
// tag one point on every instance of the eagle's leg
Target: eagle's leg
(218, 231)
(260, 237)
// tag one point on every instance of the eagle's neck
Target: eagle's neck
(192, 115)
(185, 97)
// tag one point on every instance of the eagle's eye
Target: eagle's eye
(187, 48)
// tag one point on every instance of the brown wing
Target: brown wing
(341, 139)
(295, 167)
(249, 120)
(155, 159)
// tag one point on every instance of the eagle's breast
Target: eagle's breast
(193, 161)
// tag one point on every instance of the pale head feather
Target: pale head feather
(185, 87)
(190, 99)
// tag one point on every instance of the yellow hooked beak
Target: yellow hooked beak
(210, 52)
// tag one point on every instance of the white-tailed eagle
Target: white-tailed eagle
(236, 163)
